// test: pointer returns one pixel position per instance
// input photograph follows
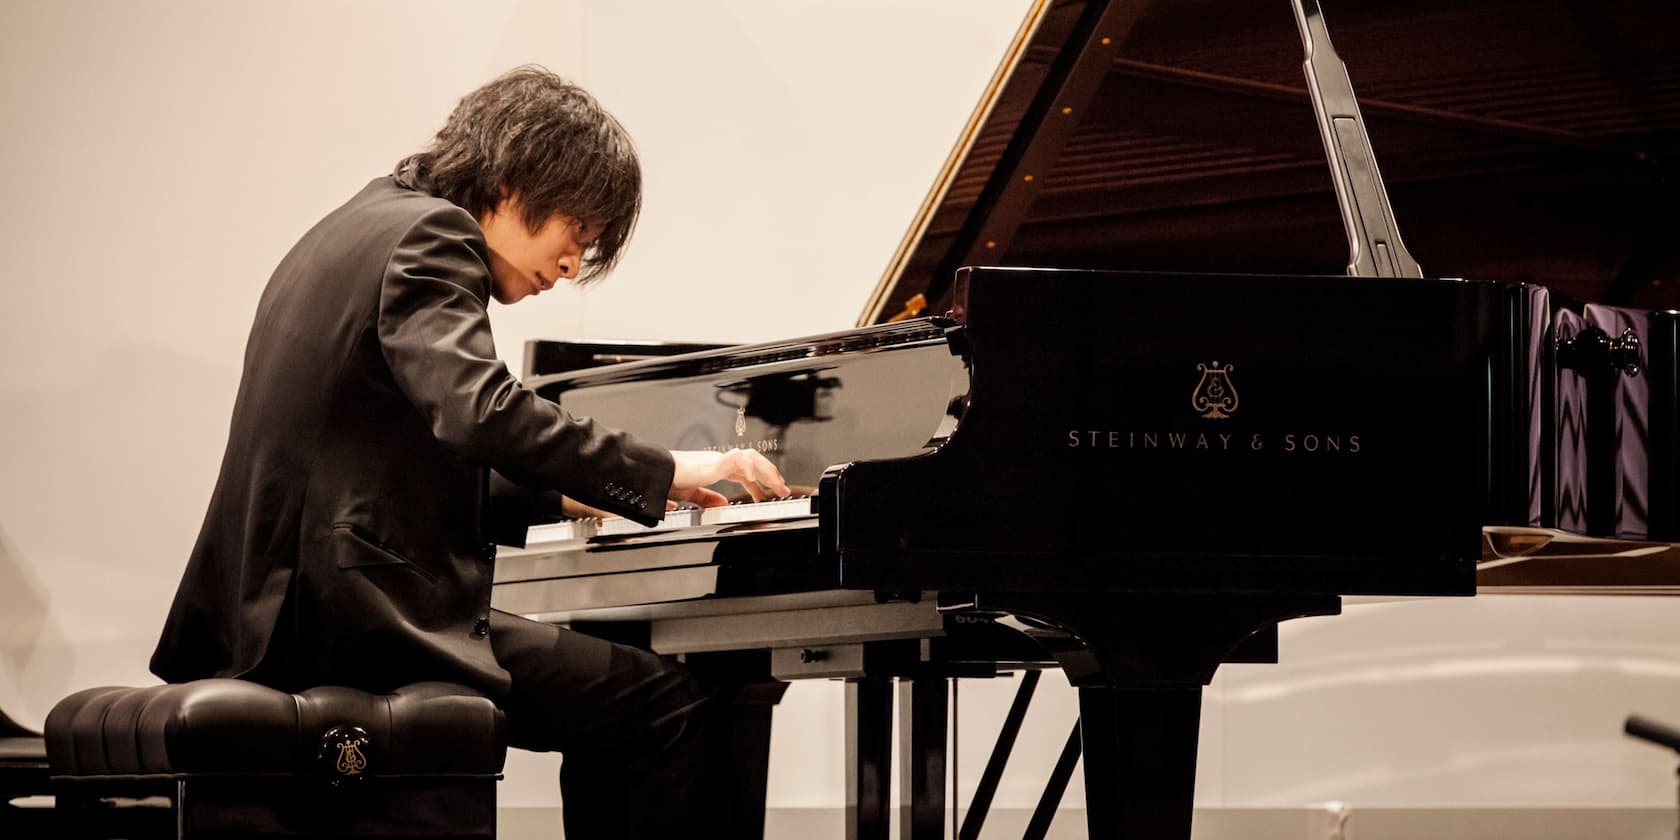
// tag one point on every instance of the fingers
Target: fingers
(750, 469)
(746, 467)
(742, 471)
(759, 470)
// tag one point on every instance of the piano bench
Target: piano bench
(229, 758)
(23, 773)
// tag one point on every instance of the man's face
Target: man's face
(525, 262)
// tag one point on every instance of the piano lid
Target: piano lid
(1521, 140)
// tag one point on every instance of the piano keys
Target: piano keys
(570, 532)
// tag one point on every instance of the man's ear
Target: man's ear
(512, 205)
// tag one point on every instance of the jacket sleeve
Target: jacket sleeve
(435, 335)
(514, 508)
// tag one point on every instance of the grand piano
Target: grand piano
(1122, 401)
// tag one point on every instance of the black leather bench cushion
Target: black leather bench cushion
(223, 726)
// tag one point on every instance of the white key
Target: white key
(756, 511)
(580, 530)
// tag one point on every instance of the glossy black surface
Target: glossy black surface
(1469, 404)
(1395, 418)
(880, 392)
(1357, 455)
(560, 356)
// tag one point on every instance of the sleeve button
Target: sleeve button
(481, 627)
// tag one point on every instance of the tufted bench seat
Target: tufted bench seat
(225, 758)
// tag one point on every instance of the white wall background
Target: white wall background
(158, 158)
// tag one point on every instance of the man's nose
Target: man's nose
(569, 264)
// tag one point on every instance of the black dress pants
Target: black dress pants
(638, 732)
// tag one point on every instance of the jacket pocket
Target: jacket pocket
(371, 552)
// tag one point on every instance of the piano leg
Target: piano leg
(1140, 759)
(1139, 662)
(922, 714)
(869, 703)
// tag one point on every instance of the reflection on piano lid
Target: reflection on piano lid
(877, 392)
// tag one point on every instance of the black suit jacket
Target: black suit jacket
(348, 540)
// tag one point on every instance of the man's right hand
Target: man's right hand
(746, 467)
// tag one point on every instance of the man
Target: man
(349, 537)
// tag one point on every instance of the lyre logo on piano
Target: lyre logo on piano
(1215, 397)
(351, 761)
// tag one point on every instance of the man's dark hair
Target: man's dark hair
(533, 134)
